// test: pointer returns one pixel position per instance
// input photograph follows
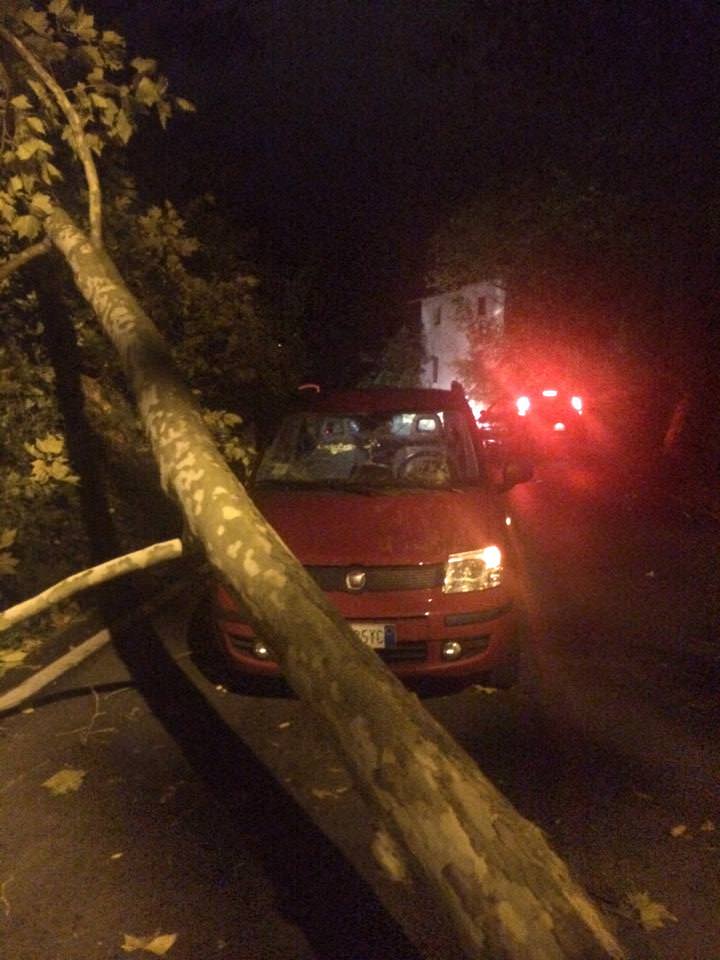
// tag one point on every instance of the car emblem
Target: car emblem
(355, 579)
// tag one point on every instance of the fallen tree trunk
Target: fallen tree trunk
(502, 889)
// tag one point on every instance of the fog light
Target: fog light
(261, 651)
(451, 650)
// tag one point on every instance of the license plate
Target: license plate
(379, 636)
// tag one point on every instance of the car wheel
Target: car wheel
(519, 669)
(202, 644)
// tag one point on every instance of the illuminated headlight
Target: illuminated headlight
(475, 570)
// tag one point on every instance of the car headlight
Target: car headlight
(474, 570)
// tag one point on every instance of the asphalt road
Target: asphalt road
(229, 822)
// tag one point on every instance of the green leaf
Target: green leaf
(38, 89)
(41, 202)
(15, 184)
(187, 105)
(164, 112)
(7, 538)
(36, 21)
(7, 210)
(26, 226)
(56, 7)
(36, 124)
(144, 65)
(28, 148)
(85, 26)
(100, 101)
(49, 172)
(147, 91)
(59, 470)
(109, 36)
(21, 102)
(39, 473)
(95, 143)
(51, 444)
(123, 128)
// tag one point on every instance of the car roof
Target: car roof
(382, 399)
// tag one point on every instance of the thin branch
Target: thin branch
(76, 126)
(20, 259)
(137, 560)
(88, 730)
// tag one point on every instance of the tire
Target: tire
(519, 670)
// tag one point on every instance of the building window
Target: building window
(437, 316)
(481, 308)
(435, 369)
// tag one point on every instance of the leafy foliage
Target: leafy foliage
(401, 360)
(66, 85)
(38, 501)
(107, 95)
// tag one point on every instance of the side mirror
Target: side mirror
(516, 470)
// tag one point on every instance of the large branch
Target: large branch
(84, 579)
(20, 259)
(502, 891)
(82, 147)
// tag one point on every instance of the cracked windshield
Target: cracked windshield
(406, 448)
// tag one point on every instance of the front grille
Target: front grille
(404, 651)
(380, 578)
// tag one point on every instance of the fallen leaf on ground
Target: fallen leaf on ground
(65, 781)
(679, 830)
(652, 915)
(707, 826)
(158, 944)
(116, 856)
(478, 688)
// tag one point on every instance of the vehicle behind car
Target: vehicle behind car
(385, 496)
(544, 423)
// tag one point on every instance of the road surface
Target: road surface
(228, 823)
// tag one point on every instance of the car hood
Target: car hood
(403, 527)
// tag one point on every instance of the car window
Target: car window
(400, 448)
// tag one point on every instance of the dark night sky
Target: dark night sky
(351, 128)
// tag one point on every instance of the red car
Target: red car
(384, 496)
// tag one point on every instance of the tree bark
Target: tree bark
(501, 888)
(92, 577)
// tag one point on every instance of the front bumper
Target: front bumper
(484, 624)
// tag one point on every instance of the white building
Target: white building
(454, 324)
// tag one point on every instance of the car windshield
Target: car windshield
(427, 448)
